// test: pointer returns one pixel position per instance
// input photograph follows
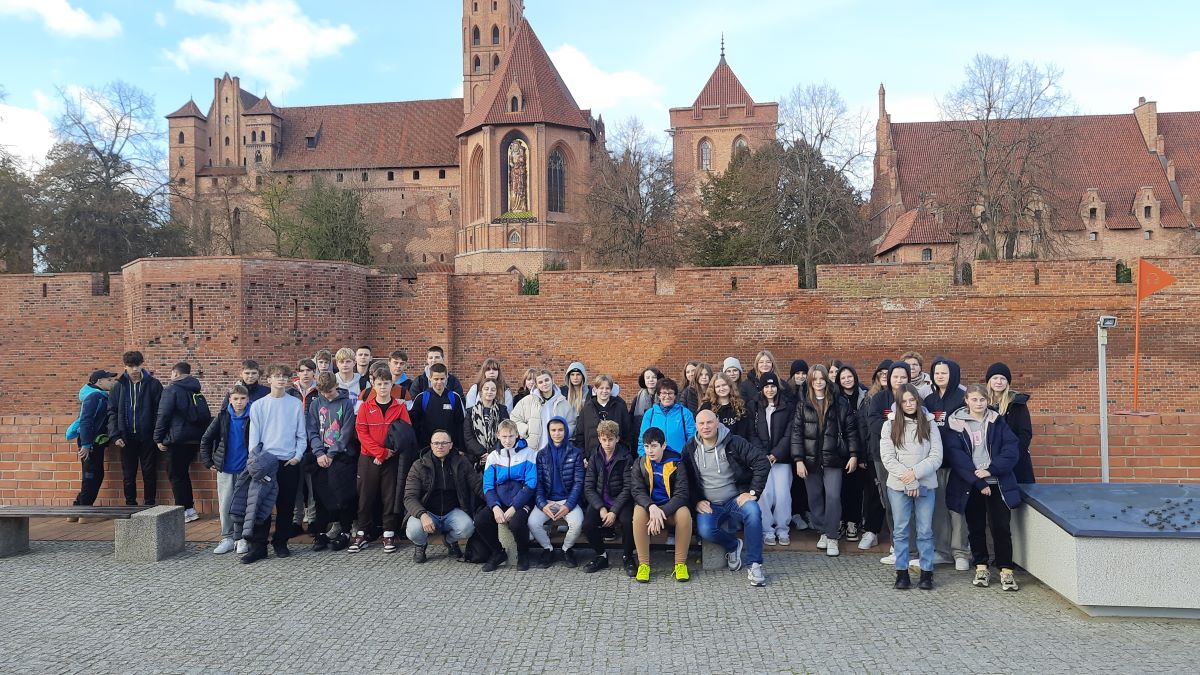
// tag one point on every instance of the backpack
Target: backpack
(453, 398)
(196, 412)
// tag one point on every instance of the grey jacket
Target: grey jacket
(256, 490)
(923, 457)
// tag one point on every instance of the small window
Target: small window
(364, 176)
(495, 61)
(258, 156)
(258, 181)
(182, 181)
(1093, 236)
(1147, 234)
(442, 174)
(228, 161)
(1092, 213)
(416, 175)
(476, 67)
(340, 178)
(493, 5)
(227, 141)
(514, 105)
(495, 35)
(181, 138)
(214, 181)
(227, 116)
(1037, 215)
(210, 141)
(291, 179)
(442, 257)
(475, 36)
(243, 161)
(181, 161)
(312, 142)
(474, 6)
(514, 239)
(391, 175)
(1146, 212)
(210, 161)
(926, 254)
(243, 140)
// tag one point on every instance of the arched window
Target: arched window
(181, 161)
(706, 155)
(495, 62)
(227, 116)
(237, 217)
(514, 239)
(181, 138)
(556, 182)
(227, 141)
(477, 184)
(739, 145)
(475, 36)
(258, 156)
(514, 105)
(926, 254)
(495, 35)
(476, 68)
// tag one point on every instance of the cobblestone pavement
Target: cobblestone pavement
(69, 607)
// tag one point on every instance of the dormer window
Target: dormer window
(1147, 212)
(514, 104)
(1092, 213)
(311, 142)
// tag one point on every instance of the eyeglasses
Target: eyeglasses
(442, 444)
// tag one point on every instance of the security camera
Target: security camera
(1107, 322)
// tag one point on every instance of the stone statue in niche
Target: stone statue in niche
(518, 176)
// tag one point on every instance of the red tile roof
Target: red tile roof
(722, 89)
(371, 135)
(189, 109)
(546, 97)
(916, 226)
(1181, 136)
(263, 107)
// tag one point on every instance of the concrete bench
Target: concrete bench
(142, 534)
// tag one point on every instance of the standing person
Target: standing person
(379, 460)
(916, 375)
(797, 380)
(362, 362)
(911, 451)
(796, 389)
(659, 489)
(528, 384)
(347, 377)
(250, 378)
(509, 487)
(436, 355)
(773, 436)
(330, 419)
(576, 389)
(132, 408)
(92, 434)
(854, 484)
(602, 405)
(949, 527)
(647, 395)
(677, 422)
(398, 364)
(544, 403)
(732, 368)
(693, 394)
(305, 382)
(560, 478)
(879, 409)
(490, 370)
(481, 422)
(277, 426)
(726, 476)
(441, 491)
(983, 452)
(609, 503)
(324, 361)
(438, 407)
(183, 417)
(825, 448)
(764, 362)
(724, 399)
(224, 450)
(873, 489)
(1015, 409)
(689, 376)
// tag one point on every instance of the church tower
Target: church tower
(487, 28)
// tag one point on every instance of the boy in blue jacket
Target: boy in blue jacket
(560, 478)
(509, 486)
(92, 435)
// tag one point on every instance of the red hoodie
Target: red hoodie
(372, 425)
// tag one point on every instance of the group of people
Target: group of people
(359, 454)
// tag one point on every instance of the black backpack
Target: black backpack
(196, 411)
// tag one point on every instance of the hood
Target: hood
(87, 390)
(261, 464)
(898, 365)
(566, 439)
(955, 372)
(233, 415)
(576, 365)
(960, 418)
(954, 398)
(124, 377)
(187, 383)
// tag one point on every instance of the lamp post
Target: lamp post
(1102, 326)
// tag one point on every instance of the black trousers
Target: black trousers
(981, 509)
(488, 530)
(595, 534)
(329, 510)
(852, 495)
(139, 451)
(288, 477)
(377, 484)
(179, 464)
(799, 497)
(872, 503)
(93, 477)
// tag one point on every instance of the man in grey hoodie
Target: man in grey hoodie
(727, 475)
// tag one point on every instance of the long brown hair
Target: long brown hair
(899, 421)
(529, 373)
(694, 385)
(735, 398)
(501, 385)
(821, 405)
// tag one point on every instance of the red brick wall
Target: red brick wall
(1037, 316)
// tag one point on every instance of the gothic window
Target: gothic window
(475, 36)
(181, 161)
(556, 182)
(926, 254)
(495, 35)
(476, 68)
(181, 138)
(477, 184)
(706, 155)
(227, 116)
(258, 181)
(514, 239)
(228, 161)
(258, 156)
(237, 217)
(739, 145)
(227, 141)
(514, 105)
(495, 61)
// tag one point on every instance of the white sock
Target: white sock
(389, 533)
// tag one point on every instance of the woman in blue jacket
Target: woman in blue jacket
(676, 421)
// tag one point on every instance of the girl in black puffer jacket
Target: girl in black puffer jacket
(772, 433)
(825, 445)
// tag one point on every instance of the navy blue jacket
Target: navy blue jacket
(133, 406)
(567, 462)
(1003, 446)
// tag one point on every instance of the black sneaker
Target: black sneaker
(569, 558)
(257, 552)
(926, 582)
(493, 563)
(630, 564)
(340, 542)
(320, 542)
(281, 550)
(419, 554)
(522, 561)
(454, 551)
(596, 564)
(903, 581)
(546, 559)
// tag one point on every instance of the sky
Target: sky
(622, 58)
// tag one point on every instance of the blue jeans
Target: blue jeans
(902, 514)
(456, 526)
(726, 518)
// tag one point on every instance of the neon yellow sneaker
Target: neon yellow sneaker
(643, 573)
(681, 572)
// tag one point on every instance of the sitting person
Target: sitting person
(660, 494)
(441, 489)
(606, 488)
(560, 477)
(509, 486)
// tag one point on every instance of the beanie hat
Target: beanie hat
(797, 366)
(998, 369)
(769, 378)
(732, 362)
(885, 364)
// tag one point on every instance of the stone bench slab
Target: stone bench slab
(150, 535)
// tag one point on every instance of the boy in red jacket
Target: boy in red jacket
(377, 465)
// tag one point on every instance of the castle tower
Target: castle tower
(487, 28)
(265, 125)
(188, 149)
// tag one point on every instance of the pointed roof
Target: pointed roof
(263, 107)
(189, 109)
(527, 67)
(723, 88)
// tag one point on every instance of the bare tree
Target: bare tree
(1006, 121)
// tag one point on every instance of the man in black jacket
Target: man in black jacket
(183, 417)
(440, 495)
(132, 409)
(726, 476)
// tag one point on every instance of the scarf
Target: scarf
(484, 421)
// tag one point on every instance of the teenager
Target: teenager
(362, 362)
(436, 355)
(1015, 409)
(727, 475)
(442, 489)
(693, 394)
(609, 503)
(677, 422)
(438, 407)
(659, 489)
(911, 451)
(509, 487)
(132, 408)
(224, 450)
(647, 394)
(916, 375)
(379, 461)
(91, 435)
(797, 379)
(724, 399)
(183, 417)
(347, 377)
(879, 409)
(796, 390)
(983, 452)
(560, 478)
(949, 527)
(772, 430)
(532, 412)
(764, 362)
(330, 419)
(825, 447)
(602, 405)
(689, 376)
(277, 424)
(854, 484)
(576, 390)
(324, 360)
(490, 370)
(481, 422)
(250, 377)
(398, 364)
(305, 382)
(528, 384)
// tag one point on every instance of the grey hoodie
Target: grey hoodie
(712, 466)
(961, 421)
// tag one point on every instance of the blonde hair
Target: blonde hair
(608, 428)
(343, 354)
(574, 393)
(1000, 400)
(767, 353)
(735, 397)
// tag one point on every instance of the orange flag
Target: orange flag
(1152, 279)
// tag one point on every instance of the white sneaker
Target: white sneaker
(733, 559)
(225, 546)
(939, 559)
(190, 515)
(962, 564)
(869, 539)
(832, 549)
(800, 523)
(243, 546)
(756, 575)
(769, 539)
(890, 558)
(784, 539)
(823, 542)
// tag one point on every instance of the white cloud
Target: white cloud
(271, 41)
(1110, 78)
(617, 95)
(160, 19)
(27, 134)
(61, 18)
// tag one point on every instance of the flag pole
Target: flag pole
(1137, 333)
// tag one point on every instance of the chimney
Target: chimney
(1146, 114)
(1170, 171)
(882, 105)
(1160, 145)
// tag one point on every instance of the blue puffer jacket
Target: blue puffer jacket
(678, 424)
(1003, 446)
(89, 429)
(560, 471)
(510, 477)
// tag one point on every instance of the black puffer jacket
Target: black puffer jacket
(617, 478)
(830, 447)
(133, 406)
(172, 426)
(1018, 420)
(778, 441)
(591, 414)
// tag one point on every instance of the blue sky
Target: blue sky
(621, 57)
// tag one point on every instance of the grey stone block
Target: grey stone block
(150, 535)
(712, 556)
(14, 536)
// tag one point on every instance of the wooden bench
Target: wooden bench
(142, 533)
